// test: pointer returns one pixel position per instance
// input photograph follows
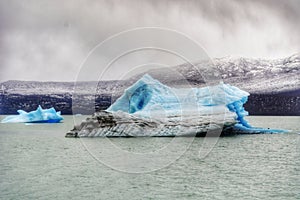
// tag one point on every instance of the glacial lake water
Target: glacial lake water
(38, 162)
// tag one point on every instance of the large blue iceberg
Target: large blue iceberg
(150, 108)
(149, 98)
(38, 116)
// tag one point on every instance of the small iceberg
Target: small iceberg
(150, 108)
(40, 115)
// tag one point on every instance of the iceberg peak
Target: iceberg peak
(146, 91)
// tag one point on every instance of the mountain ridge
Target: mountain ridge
(268, 81)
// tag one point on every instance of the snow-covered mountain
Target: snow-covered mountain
(261, 75)
(252, 75)
(271, 83)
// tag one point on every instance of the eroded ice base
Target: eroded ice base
(122, 124)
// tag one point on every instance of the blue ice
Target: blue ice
(148, 95)
(38, 116)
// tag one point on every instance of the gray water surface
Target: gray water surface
(37, 162)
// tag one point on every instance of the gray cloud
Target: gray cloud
(48, 40)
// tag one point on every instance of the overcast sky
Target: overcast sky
(49, 39)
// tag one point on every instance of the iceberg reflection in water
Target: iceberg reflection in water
(38, 116)
(149, 108)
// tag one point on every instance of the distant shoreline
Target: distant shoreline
(279, 104)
